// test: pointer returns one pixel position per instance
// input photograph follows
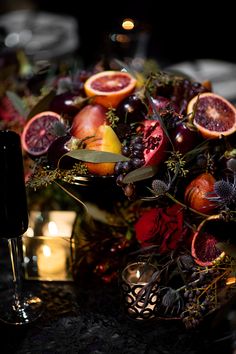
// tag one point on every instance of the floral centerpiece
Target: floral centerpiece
(152, 160)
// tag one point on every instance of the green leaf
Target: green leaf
(42, 105)
(96, 156)
(18, 103)
(229, 249)
(203, 146)
(140, 174)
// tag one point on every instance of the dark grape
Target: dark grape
(125, 151)
(136, 140)
(137, 153)
(118, 167)
(136, 162)
(127, 166)
(131, 109)
(137, 146)
(119, 180)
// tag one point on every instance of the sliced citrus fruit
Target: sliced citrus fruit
(39, 133)
(109, 88)
(205, 239)
(214, 116)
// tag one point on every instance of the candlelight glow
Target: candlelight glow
(30, 232)
(46, 251)
(231, 280)
(52, 228)
(51, 261)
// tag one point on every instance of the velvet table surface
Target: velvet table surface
(88, 317)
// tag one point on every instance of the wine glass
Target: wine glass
(16, 306)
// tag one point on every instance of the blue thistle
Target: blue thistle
(224, 193)
(159, 187)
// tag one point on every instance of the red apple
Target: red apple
(88, 120)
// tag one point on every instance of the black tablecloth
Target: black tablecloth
(88, 317)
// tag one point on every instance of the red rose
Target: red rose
(161, 226)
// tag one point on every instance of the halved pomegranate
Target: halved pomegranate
(154, 141)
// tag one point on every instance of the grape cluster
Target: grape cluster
(133, 149)
(200, 295)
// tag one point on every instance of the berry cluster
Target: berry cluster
(134, 150)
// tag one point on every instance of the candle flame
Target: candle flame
(138, 274)
(231, 280)
(47, 251)
(52, 228)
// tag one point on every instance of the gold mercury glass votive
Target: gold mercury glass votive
(139, 289)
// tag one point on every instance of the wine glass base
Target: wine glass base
(25, 311)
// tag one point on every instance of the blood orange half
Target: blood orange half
(39, 133)
(109, 88)
(203, 248)
(214, 116)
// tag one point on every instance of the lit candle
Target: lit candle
(51, 262)
(140, 300)
(59, 223)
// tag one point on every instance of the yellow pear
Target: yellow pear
(105, 140)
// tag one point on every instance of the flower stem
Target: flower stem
(71, 195)
(185, 206)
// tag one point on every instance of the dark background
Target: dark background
(177, 31)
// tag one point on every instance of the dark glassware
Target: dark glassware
(16, 307)
(13, 203)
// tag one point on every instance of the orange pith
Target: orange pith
(214, 116)
(109, 88)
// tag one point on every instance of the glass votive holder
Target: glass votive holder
(140, 290)
(47, 258)
(48, 246)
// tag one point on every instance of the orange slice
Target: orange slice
(214, 116)
(109, 88)
(203, 248)
(39, 133)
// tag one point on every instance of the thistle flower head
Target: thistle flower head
(224, 193)
(224, 190)
(159, 187)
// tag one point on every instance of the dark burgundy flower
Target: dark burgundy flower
(163, 227)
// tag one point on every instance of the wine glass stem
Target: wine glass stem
(14, 255)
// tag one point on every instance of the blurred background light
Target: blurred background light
(128, 24)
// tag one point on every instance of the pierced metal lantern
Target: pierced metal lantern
(140, 290)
